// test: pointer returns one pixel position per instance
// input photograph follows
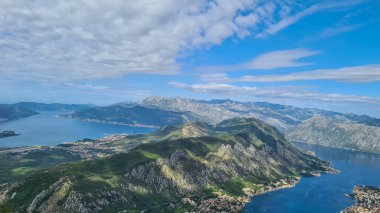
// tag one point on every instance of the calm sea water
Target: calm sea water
(49, 129)
(326, 193)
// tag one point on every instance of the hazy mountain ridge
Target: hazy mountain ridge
(26, 109)
(130, 114)
(52, 106)
(214, 111)
(196, 163)
(337, 132)
(159, 111)
(10, 112)
(350, 131)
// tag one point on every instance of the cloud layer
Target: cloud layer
(279, 93)
(357, 74)
(79, 39)
(267, 61)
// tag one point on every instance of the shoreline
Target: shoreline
(228, 203)
(291, 184)
(347, 149)
(367, 199)
(112, 122)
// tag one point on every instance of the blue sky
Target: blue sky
(323, 54)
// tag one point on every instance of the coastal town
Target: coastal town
(367, 200)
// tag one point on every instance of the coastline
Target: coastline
(367, 199)
(292, 182)
(347, 149)
(113, 122)
(228, 203)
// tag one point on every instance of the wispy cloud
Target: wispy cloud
(357, 74)
(281, 59)
(332, 31)
(87, 86)
(273, 93)
(267, 61)
(284, 23)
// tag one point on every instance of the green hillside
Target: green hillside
(196, 163)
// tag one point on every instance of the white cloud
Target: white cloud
(281, 59)
(215, 77)
(267, 61)
(75, 92)
(79, 39)
(87, 86)
(272, 93)
(357, 74)
(224, 89)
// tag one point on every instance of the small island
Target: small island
(7, 133)
(367, 200)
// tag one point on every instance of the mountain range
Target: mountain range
(341, 130)
(313, 126)
(192, 167)
(133, 115)
(52, 106)
(19, 110)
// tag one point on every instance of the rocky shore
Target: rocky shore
(367, 200)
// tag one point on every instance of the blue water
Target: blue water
(326, 193)
(49, 129)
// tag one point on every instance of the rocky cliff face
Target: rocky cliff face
(213, 167)
(337, 132)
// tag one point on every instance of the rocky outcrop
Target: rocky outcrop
(43, 195)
